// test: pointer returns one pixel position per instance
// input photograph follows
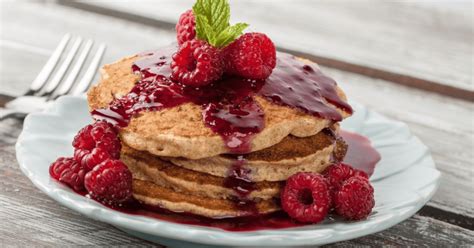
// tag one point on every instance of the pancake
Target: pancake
(180, 131)
(154, 195)
(145, 166)
(206, 183)
(275, 163)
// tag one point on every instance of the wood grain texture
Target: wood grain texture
(430, 117)
(51, 22)
(428, 46)
(429, 233)
(30, 218)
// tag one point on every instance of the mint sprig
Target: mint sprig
(212, 22)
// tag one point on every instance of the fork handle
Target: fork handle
(6, 113)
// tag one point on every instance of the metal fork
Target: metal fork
(43, 91)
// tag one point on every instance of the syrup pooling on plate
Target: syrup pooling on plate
(360, 153)
(276, 220)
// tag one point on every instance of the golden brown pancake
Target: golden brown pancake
(180, 164)
(155, 195)
(275, 163)
(181, 132)
(145, 166)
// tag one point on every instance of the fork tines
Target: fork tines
(50, 83)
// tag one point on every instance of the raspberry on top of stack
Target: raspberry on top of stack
(219, 125)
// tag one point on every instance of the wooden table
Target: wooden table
(410, 61)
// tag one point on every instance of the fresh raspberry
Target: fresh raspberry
(196, 63)
(95, 143)
(355, 199)
(306, 197)
(110, 182)
(252, 55)
(186, 27)
(337, 174)
(69, 172)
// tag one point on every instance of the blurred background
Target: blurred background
(409, 60)
(428, 40)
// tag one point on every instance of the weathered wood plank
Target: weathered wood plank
(447, 216)
(390, 40)
(17, 71)
(443, 124)
(429, 115)
(29, 217)
(24, 210)
(416, 231)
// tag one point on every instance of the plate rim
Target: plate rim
(62, 195)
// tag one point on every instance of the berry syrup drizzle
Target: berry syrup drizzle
(238, 180)
(228, 106)
(358, 145)
(298, 85)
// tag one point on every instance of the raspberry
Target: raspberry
(252, 55)
(355, 199)
(186, 27)
(306, 197)
(110, 182)
(336, 174)
(95, 143)
(69, 172)
(196, 63)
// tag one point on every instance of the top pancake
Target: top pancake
(180, 131)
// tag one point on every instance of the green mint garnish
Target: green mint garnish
(212, 22)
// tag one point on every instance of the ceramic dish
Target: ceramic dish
(404, 180)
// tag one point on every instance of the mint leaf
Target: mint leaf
(212, 22)
(217, 13)
(230, 34)
(203, 29)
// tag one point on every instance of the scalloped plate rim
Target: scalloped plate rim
(200, 234)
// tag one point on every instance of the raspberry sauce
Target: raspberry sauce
(228, 105)
(360, 153)
(357, 145)
(298, 85)
(276, 220)
(238, 178)
(239, 181)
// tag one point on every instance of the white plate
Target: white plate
(404, 180)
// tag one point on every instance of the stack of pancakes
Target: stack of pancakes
(181, 165)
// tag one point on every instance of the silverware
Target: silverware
(47, 87)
